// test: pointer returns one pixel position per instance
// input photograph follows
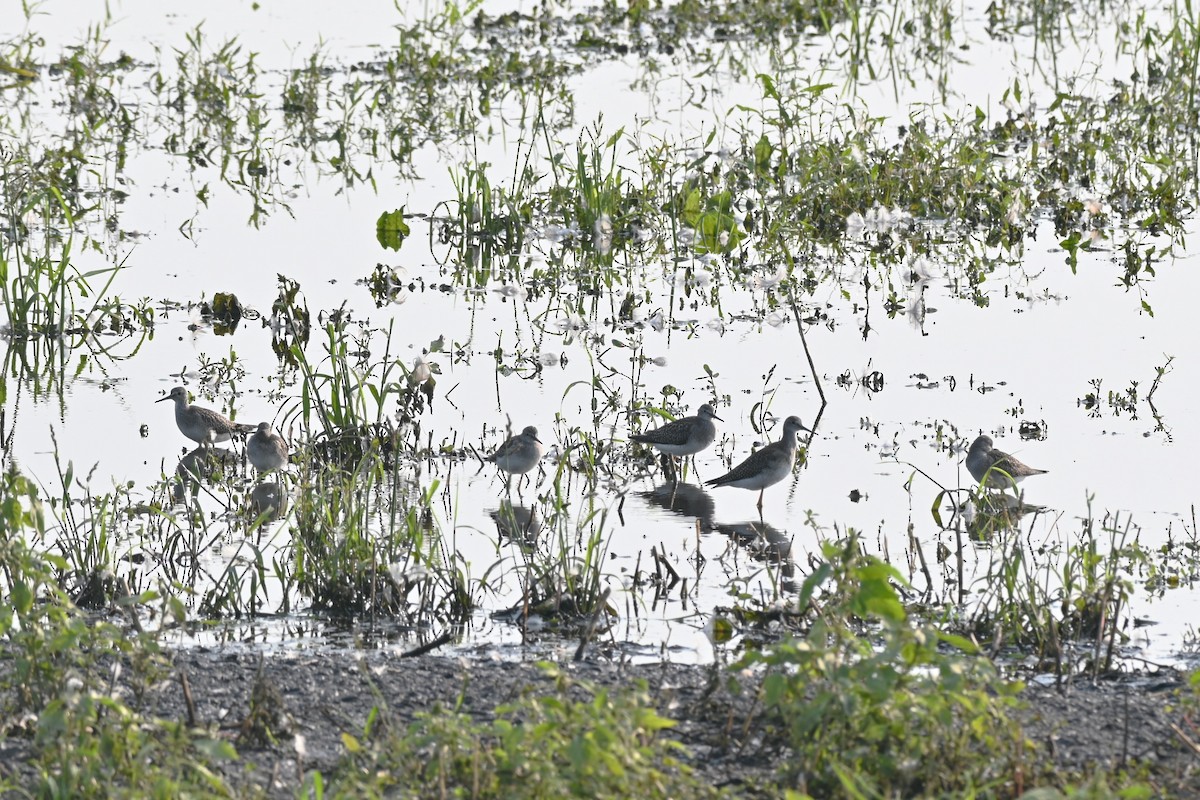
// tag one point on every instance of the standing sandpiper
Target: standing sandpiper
(683, 437)
(201, 425)
(765, 467)
(999, 468)
(520, 453)
(266, 449)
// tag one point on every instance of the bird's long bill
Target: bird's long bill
(159, 400)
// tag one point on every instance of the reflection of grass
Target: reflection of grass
(43, 292)
(360, 548)
(56, 191)
(752, 193)
(562, 572)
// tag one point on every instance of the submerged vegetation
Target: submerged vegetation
(792, 195)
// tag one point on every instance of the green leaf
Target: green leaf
(722, 630)
(652, 721)
(774, 689)
(935, 509)
(818, 576)
(768, 86)
(52, 722)
(22, 596)
(762, 155)
(391, 229)
(216, 749)
(691, 207)
(177, 609)
(718, 232)
(961, 642)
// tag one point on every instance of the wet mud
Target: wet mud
(1134, 724)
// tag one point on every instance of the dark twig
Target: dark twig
(601, 604)
(1187, 740)
(428, 646)
(808, 354)
(187, 697)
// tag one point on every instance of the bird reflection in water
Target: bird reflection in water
(762, 541)
(990, 512)
(516, 523)
(685, 499)
(766, 543)
(268, 501)
(201, 464)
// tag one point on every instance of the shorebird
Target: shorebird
(683, 437)
(765, 467)
(995, 468)
(201, 425)
(520, 453)
(266, 449)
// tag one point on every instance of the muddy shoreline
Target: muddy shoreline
(1133, 724)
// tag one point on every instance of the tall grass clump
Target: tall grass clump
(349, 401)
(1065, 605)
(363, 545)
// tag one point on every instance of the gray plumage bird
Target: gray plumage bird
(520, 453)
(1000, 469)
(683, 437)
(768, 466)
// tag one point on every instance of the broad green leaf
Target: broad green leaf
(391, 229)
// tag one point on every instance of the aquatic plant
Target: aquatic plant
(866, 700)
(1066, 610)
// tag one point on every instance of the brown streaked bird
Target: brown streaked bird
(201, 425)
(266, 449)
(995, 468)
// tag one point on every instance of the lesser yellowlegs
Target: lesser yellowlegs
(998, 468)
(266, 449)
(520, 453)
(767, 466)
(201, 425)
(683, 437)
